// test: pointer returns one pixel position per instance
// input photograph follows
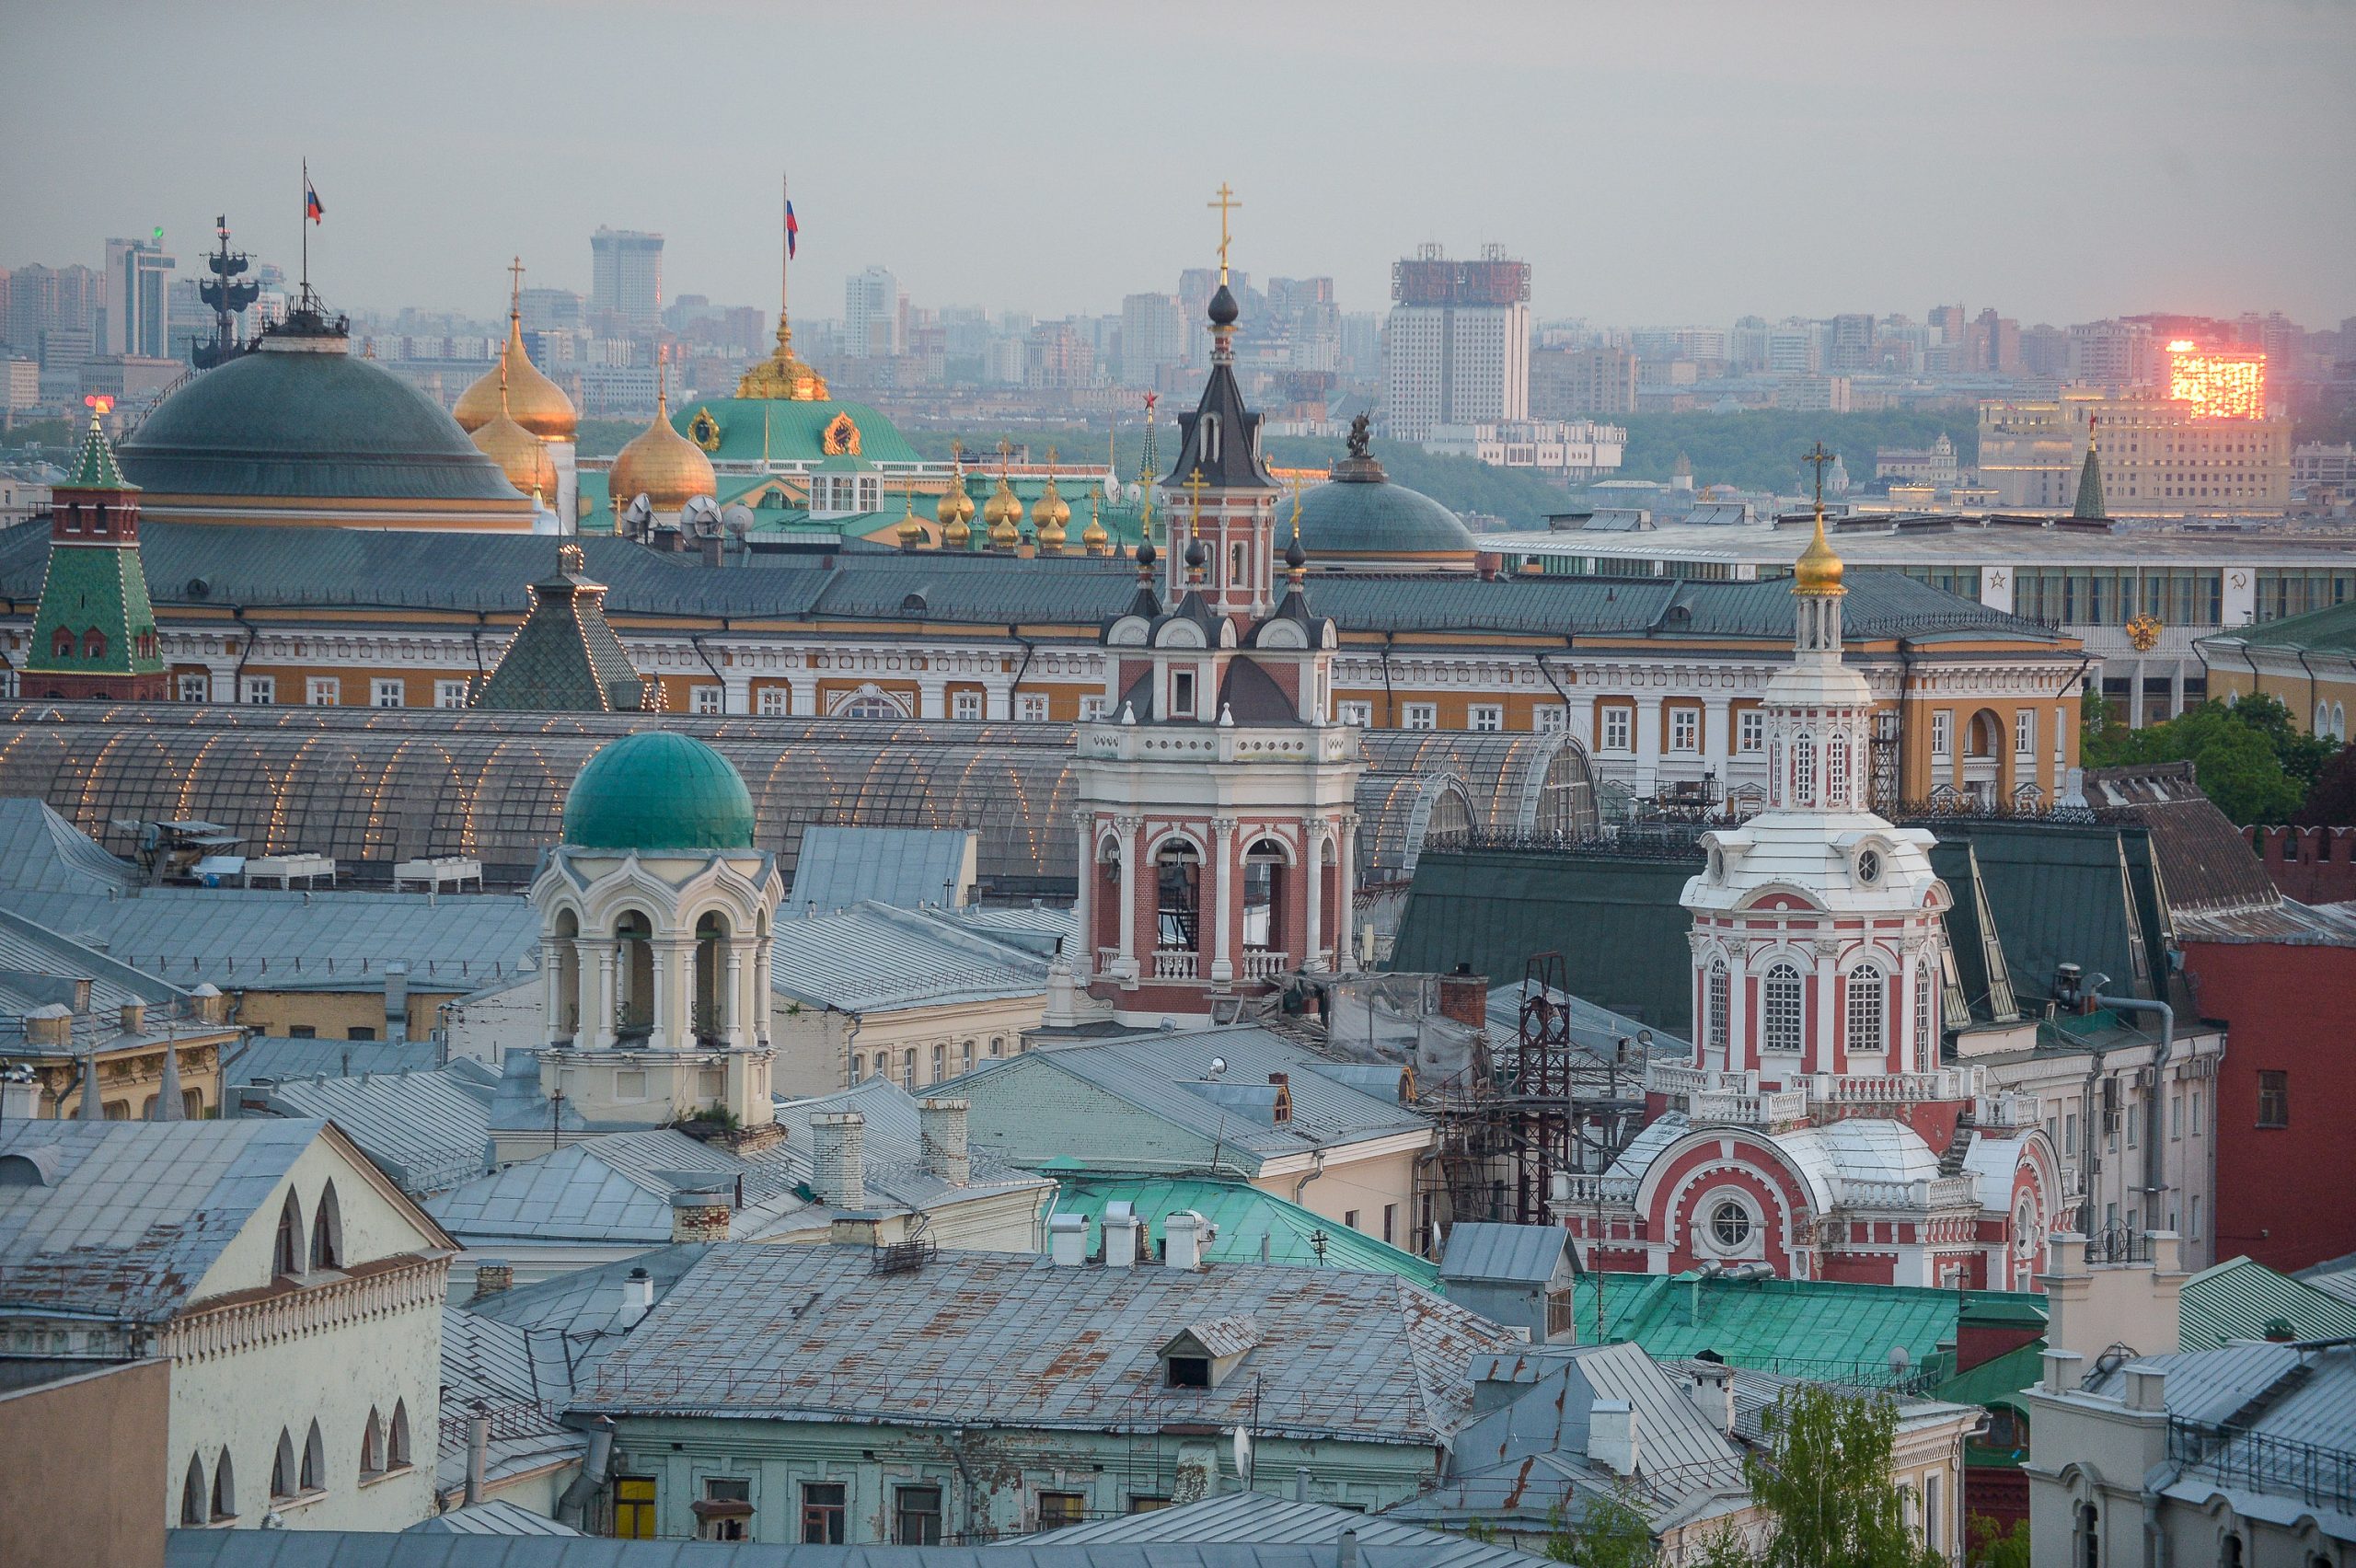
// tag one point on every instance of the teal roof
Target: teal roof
(2329, 630)
(1798, 1328)
(658, 789)
(295, 422)
(565, 657)
(94, 588)
(2240, 1300)
(93, 466)
(776, 429)
(1243, 1217)
(1362, 517)
(2000, 1381)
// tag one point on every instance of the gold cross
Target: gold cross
(1005, 448)
(1296, 510)
(1226, 205)
(957, 450)
(516, 271)
(1819, 456)
(1194, 492)
(1051, 462)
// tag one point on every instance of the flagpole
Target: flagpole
(306, 227)
(785, 246)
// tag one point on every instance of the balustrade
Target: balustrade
(1174, 963)
(1262, 965)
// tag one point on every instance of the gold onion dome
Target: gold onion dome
(1002, 512)
(662, 465)
(911, 532)
(1093, 539)
(533, 401)
(1051, 513)
(1819, 569)
(520, 456)
(955, 508)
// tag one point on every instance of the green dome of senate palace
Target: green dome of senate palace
(1360, 514)
(656, 789)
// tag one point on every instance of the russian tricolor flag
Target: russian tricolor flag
(792, 228)
(311, 208)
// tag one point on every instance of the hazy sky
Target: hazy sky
(1656, 162)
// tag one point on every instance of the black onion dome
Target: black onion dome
(1224, 310)
(1196, 557)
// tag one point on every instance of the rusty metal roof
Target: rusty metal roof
(1011, 1340)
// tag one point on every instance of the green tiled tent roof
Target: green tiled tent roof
(2239, 1299)
(565, 657)
(93, 466)
(1243, 1216)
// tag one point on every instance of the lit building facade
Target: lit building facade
(2161, 455)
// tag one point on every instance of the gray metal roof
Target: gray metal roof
(129, 1215)
(427, 1131)
(813, 1334)
(1962, 541)
(891, 1154)
(275, 1056)
(40, 967)
(1025, 1111)
(1516, 1255)
(41, 852)
(1263, 1518)
(494, 1517)
(876, 957)
(839, 867)
(568, 1323)
(492, 1363)
(341, 1549)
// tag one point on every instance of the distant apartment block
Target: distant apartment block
(2158, 457)
(1567, 383)
(1456, 350)
(626, 276)
(1570, 450)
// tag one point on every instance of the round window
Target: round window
(1730, 1225)
(1717, 865)
(1868, 866)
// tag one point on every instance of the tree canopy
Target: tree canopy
(2248, 757)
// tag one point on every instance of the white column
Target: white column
(760, 998)
(732, 995)
(1819, 1052)
(551, 1007)
(1313, 887)
(804, 700)
(1345, 868)
(659, 1007)
(1718, 740)
(735, 690)
(1223, 930)
(601, 1021)
(1127, 961)
(1739, 1052)
(931, 700)
(1084, 907)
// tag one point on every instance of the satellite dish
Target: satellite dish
(1898, 1361)
(1219, 1065)
(739, 519)
(1243, 1457)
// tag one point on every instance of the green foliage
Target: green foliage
(1991, 1548)
(1824, 1485)
(1760, 448)
(52, 437)
(1482, 1531)
(1613, 1533)
(2331, 800)
(603, 438)
(1723, 1548)
(2248, 758)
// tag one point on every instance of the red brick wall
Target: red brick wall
(2313, 865)
(2282, 1191)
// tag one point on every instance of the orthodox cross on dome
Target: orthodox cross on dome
(1226, 205)
(1195, 482)
(516, 289)
(1817, 456)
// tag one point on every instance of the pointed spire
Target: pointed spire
(169, 1105)
(94, 466)
(2089, 505)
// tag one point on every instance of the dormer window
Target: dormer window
(1210, 438)
(1205, 1354)
(1189, 1371)
(1181, 694)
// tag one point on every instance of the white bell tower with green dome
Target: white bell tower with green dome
(656, 914)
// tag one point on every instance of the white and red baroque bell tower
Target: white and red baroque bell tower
(1216, 801)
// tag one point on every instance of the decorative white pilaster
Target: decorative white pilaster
(732, 995)
(1128, 829)
(601, 1019)
(1345, 958)
(1223, 928)
(1820, 1044)
(1084, 963)
(1313, 888)
(551, 998)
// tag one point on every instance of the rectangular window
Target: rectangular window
(302, 1031)
(258, 688)
(1685, 729)
(939, 1062)
(1390, 1222)
(1181, 694)
(1350, 1218)
(359, 1032)
(1750, 731)
(1091, 707)
(966, 706)
(774, 701)
(1057, 1509)
(822, 1513)
(1618, 723)
(733, 1489)
(2196, 1123)
(388, 693)
(1487, 717)
(1030, 707)
(449, 694)
(2195, 1212)
(915, 1515)
(195, 689)
(1942, 731)
(1548, 719)
(2024, 732)
(1420, 716)
(2273, 1099)
(704, 700)
(1358, 713)
(324, 691)
(2175, 1116)
(1146, 1503)
(634, 1507)
(2070, 1133)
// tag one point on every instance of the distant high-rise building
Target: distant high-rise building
(1996, 344)
(1852, 342)
(1153, 336)
(1456, 349)
(552, 310)
(2114, 355)
(2045, 352)
(626, 276)
(42, 300)
(1566, 384)
(138, 299)
(875, 314)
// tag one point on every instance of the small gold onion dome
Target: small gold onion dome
(1051, 516)
(1002, 512)
(1819, 569)
(956, 507)
(520, 456)
(533, 401)
(660, 464)
(1093, 539)
(911, 532)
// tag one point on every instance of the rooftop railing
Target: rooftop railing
(2318, 1476)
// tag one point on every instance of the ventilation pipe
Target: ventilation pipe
(478, 1451)
(638, 1300)
(1068, 1240)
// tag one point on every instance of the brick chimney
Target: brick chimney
(837, 1153)
(494, 1275)
(700, 1217)
(943, 1126)
(50, 1026)
(1464, 998)
(134, 1018)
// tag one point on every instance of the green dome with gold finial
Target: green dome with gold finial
(658, 789)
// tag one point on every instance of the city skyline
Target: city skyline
(1688, 179)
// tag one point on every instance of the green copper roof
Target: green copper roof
(775, 429)
(2331, 629)
(2238, 1299)
(2089, 502)
(2000, 1381)
(100, 589)
(1358, 517)
(1243, 1217)
(565, 657)
(658, 789)
(93, 466)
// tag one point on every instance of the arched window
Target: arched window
(224, 1488)
(193, 1499)
(285, 1468)
(1210, 438)
(1868, 1002)
(2339, 720)
(1785, 992)
(1926, 993)
(1836, 773)
(941, 1061)
(2087, 1548)
(94, 644)
(1716, 997)
(314, 1461)
(2323, 719)
(371, 1445)
(287, 1255)
(908, 1067)
(327, 1231)
(1803, 771)
(397, 1437)
(61, 645)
